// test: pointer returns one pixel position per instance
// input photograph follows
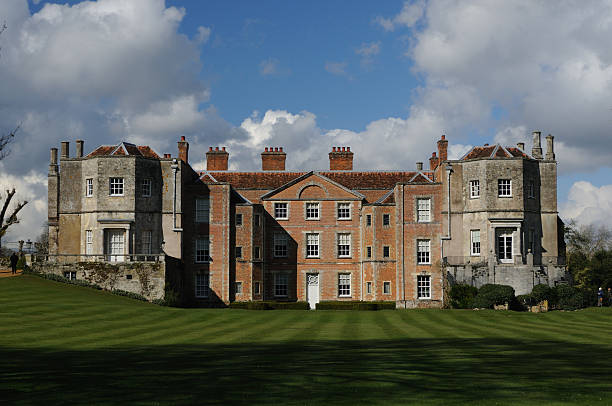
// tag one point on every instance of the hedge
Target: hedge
(354, 305)
(270, 305)
(490, 295)
(462, 296)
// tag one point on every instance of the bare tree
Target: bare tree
(5, 140)
(12, 219)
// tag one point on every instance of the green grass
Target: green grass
(62, 344)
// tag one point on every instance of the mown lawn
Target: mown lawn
(61, 344)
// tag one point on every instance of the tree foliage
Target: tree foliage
(589, 253)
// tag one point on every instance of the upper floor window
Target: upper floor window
(423, 210)
(386, 219)
(368, 252)
(238, 252)
(281, 211)
(475, 242)
(238, 288)
(238, 219)
(368, 220)
(257, 220)
(423, 250)
(386, 251)
(344, 245)
(202, 210)
(474, 189)
(202, 250)
(89, 187)
(531, 189)
(280, 245)
(312, 211)
(312, 245)
(344, 211)
(504, 187)
(145, 188)
(257, 252)
(116, 186)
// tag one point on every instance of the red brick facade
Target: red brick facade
(316, 236)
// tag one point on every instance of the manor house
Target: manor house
(219, 236)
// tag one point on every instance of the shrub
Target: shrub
(462, 296)
(269, 305)
(526, 301)
(131, 295)
(568, 298)
(490, 295)
(542, 292)
(354, 305)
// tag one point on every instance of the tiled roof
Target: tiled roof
(494, 151)
(124, 148)
(350, 179)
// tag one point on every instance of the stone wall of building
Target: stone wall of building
(144, 278)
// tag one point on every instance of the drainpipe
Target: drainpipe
(175, 169)
(447, 237)
(403, 249)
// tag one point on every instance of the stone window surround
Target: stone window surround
(318, 217)
(472, 189)
(385, 285)
(502, 188)
(472, 251)
(116, 186)
(350, 284)
(89, 187)
(427, 277)
(350, 208)
(416, 208)
(350, 244)
(210, 245)
(305, 249)
(197, 218)
(416, 248)
(287, 208)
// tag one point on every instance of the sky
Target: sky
(385, 78)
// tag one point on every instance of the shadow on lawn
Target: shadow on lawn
(445, 371)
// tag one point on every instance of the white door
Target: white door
(115, 245)
(504, 245)
(312, 280)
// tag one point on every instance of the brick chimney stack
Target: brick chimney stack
(183, 150)
(443, 148)
(53, 161)
(79, 148)
(433, 161)
(536, 151)
(273, 159)
(341, 159)
(216, 160)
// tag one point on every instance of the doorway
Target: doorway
(504, 245)
(114, 245)
(312, 292)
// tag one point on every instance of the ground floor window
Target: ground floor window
(238, 288)
(202, 285)
(70, 275)
(386, 288)
(344, 284)
(280, 284)
(368, 287)
(256, 288)
(424, 286)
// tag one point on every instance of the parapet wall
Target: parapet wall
(144, 278)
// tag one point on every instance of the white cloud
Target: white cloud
(268, 66)
(411, 12)
(336, 68)
(203, 35)
(368, 49)
(588, 204)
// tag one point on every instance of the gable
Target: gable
(312, 186)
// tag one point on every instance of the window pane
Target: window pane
(424, 287)
(201, 285)
(424, 210)
(280, 284)
(344, 284)
(344, 210)
(280, 210)
(423, 252)
(202, 250)
(116, 186)
(344, 245)
(312, 245)
(312, 210)
(280, 245)
(202, 213)
(475, 238)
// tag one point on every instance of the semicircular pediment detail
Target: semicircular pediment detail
(312, 192)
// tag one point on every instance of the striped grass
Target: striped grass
(63, 344)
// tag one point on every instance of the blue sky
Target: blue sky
(386, 78)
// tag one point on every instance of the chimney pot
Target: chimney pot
(223, 148)
(65, 149)
(521, 146)
(348, 149)
(182, 138)
(443, 136)
(550, 150)
(79, 148)
(443, 148)
(53, 160)
(536, 150)
(486, 145)
(183, 150)
(210, 148)
(281, 149)
(216, 148)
